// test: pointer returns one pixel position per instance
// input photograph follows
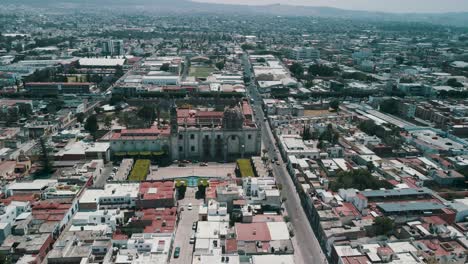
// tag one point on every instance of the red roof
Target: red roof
(19, 198)
(162, 220)
(119, 236)
(146, 133)
(252, 232)
(231, 246)
(347, 209)
(355, 260)
(157, 190)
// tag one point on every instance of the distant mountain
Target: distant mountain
(186, 6)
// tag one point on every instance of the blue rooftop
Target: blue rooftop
(395, 192)
(410, 206)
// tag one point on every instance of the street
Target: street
(304, 240)
(184, 228)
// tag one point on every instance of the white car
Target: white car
(189, 206)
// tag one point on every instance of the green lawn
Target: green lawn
(140, 170)
(201, 72)
(245, 168)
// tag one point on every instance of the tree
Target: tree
(320, 70)
(247, 46)
(91, 125)
(306, 135)
(115, 99)
(164, 67)
(45, 158)
(220, 65)
(335, 105)
(118, 71)
(181, 187)
(368, 126)
(265, 156)
(452, 82)
(360, 179)
(330, 135)
(297, 70)
(5, 259)
(147, 113)
(370, 166)
(108, 121)
(202, 185)
(389, 106)
(98, 110)
(406, 80)
(383, 225)
(80, 117)
(400, 60)
(54, 105)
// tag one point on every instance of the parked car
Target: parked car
(182, 164)
(189, 206)
(194, 226)
(177, 252)
(203, 164)
(192, 239)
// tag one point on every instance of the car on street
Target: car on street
(182, 164)
(189, 206)
(194, 226)
(177, 252)
(203, 164)
(192, 239)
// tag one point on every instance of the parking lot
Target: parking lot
(184, 228)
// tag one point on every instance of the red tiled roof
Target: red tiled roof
(355, 260)
(252, 232)
(231, 246)
(19, 198)
(163, 190)
(162, 221)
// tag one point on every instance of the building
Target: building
(304, 53)
(113, 47)
(156, 194)
(154, 139)
(210, 135)
(112, 196)
(56, 88)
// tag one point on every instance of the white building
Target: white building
(112, 196)
(111, 218)
(294, 145)
(304, 53)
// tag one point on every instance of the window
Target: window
(207, 137)
(249, 136)
(181, 149)
(192, 136)
(181, 136)
(192, 148)
(218, 136)
(233, 137)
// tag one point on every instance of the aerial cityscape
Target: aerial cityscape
(217, 131)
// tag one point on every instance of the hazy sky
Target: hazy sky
(373, 5)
